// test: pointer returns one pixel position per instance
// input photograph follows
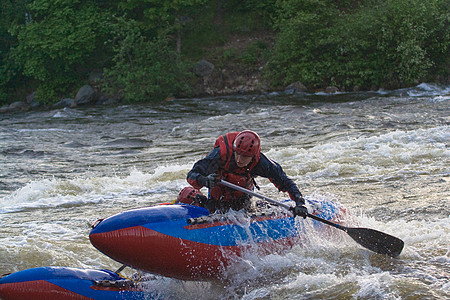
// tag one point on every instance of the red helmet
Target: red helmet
(187, 195)
(247, 143)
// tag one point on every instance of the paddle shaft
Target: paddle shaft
(244, 190)
(374, 240)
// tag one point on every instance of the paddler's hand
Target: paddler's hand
(208, 181)
(300, 210)
(298, 198)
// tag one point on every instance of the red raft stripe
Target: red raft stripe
(37, 290)
(154, 252)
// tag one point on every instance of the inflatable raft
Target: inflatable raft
(186, 242)
(63, 283)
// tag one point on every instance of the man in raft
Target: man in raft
(237, 158)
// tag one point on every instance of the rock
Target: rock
(331, 90)
(296, 87)
(85, 95)
(18, 105)
(35, 104)
(289, 91)
(66, 102)
(203, 68)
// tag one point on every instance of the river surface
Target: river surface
(383, 155)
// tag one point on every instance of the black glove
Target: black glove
(298, 198)
(300, 210)
(208, 181)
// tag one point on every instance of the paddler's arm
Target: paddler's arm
(274, 172)
(202, 168)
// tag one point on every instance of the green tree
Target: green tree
(60, 44)
(414, 35)
(144, 69)
(249, 15)
(11, 13)
(387, 43)
(303, 47)
(154, 16)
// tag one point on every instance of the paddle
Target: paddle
(371, 239)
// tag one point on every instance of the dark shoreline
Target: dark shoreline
(96, 99)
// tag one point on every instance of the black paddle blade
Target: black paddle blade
(376, 241)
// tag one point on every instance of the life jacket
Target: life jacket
(240, 176)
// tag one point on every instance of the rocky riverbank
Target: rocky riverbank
(222, 72)
(209, 81)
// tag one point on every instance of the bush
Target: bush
(392, 43)
(302, 48)
(255, 52)
(144, 69)
(415, 38)
(59, 44)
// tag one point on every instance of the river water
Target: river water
(383, 155)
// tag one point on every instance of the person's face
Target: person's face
(242, 160)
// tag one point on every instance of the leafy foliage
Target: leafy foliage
(59, 44)
(11, 75)
(253, 53)
(411, 32)
(391, 43)
(144, 69)
(144, 46)
(302, 44)
(154, 15)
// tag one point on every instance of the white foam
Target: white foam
(428, 89)
(47, 193)
(375, 286)
(390, 154)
